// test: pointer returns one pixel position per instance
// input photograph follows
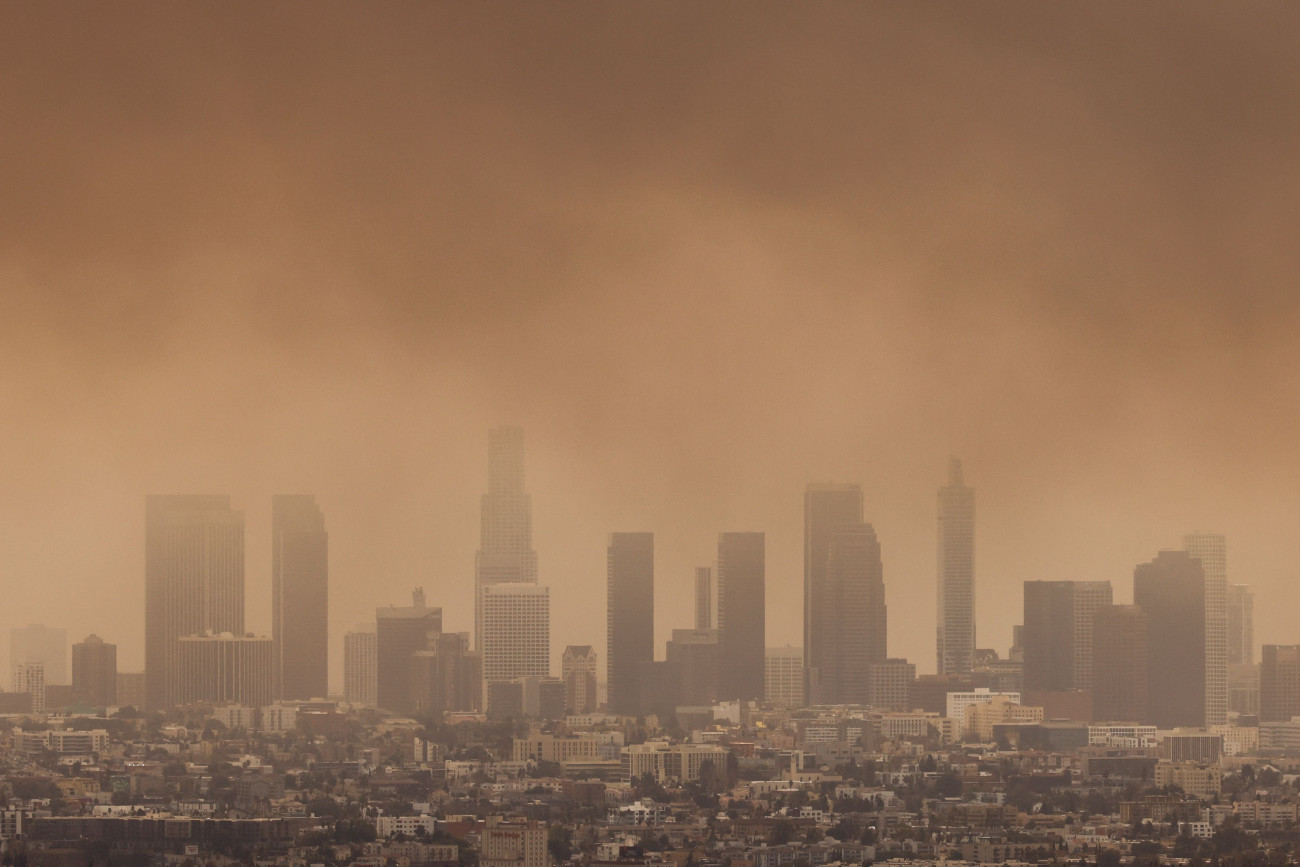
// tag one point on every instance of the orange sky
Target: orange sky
(703, 252)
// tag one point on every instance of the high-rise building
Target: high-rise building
(826, 507)
(505, 554)
(1171, 591)
(194, 582)
(400, 631)
(696, 653)
(1120, 664)
(360, 667)
(1241, 625)
(131, 689)
(1058, 633)
(854, 624)
(448, 676)
(1279, 683)
(890, 684)
(29, 678)
(703, 597)
(578, 669)
(783, 673)
(630, 625)
(516, 631)
(299, 597)
(94, 672)
(223, 669)
(1212, 550)
(956, 581)
(742, 605)
(44, 644)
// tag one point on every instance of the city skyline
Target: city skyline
(702, 266)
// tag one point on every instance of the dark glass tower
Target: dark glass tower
(1170, 590)
(299, 598)
(741, 614)
(630, 623)
(826, 507)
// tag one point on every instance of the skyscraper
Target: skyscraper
(1171, 591)
(194, 581)
(956, 581)
(516, 631)
(825, 508)
(695, 653)
(505, 554)
(223, 669)
(400, 631)
(703, 597)
(29, 677)
(783, 673)
(360, 667)
(1212, 550)
(578, 668)
(630, 624)
(1120, 664)
(448, 676)
(299, 598)
(94, 672)
(1058, 633)
(47, 645)
(854, 624)
(742, 601)
(1279, 683)
(1241, 625)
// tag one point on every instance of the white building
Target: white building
(1212, 550)
(668, 761)
(959, 701)
(516, 637)
(1123, 735)
(361, 667)
(29, 677)
(43, 644)
(783, 676)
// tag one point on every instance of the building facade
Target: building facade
(1120, 664)
(1171, 591)
(516, 631)
(630, 576)
(742, 624)
(94, 672)
(578, 668)
(783, 676)
(505, 554)
(299, 597)
(194, 582)
(826, 508)
(401, 631)
(955, 631)
(1058, 633)
(855, 620)
(224, 669)
(1212, 550)
(1279, 682)
(360, 667)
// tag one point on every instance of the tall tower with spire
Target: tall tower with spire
(505, 554)
(956, 575)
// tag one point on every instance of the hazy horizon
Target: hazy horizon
(703, 253)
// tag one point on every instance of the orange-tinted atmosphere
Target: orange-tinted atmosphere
(704, 253)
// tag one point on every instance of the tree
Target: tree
(559, 840)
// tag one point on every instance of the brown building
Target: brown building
(1279, 683)
(1120, 664)
(94, 672)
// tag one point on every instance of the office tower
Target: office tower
(1243, 689)
(505, 554)
(448, 676)
(890, 684)
(543, 697)
(783, 673)
(578, 668)
(516, 631)
(505, 698)
(1120, 664)
(94, 672)
(1279, 683)
(826, 507)
(956, 581)
(1241, 625)
(1170, 590)
(194, 581)
(299, 597)
(630, 623)
(1212, 550)
(854, 624)
(360, 667)
(697, 655)
(1058, 633)
(400, 631)
(742, 614)
(659, 690)
(703, 597)
(131, 689)
(223, 669)
(44, 644)
(29, 678)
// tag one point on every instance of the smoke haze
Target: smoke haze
(703, 252)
